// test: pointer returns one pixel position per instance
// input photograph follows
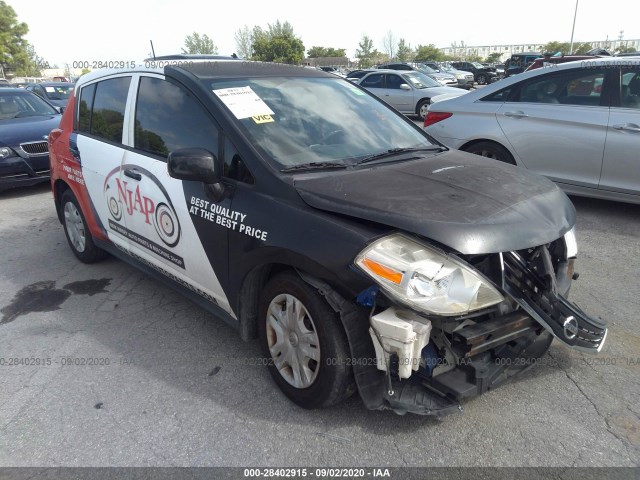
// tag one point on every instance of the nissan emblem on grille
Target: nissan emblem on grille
(570, 326)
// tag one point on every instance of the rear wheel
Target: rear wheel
(491, 150)
(422, 108)
(304, 343)
(77, 231)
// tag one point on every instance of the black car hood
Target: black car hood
(469, 203)
(27, 129)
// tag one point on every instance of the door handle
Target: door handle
(516, 114)
(133, 174)
(629, 127)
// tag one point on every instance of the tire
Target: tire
(328, 377)
(491, 150)
(421, 108)
(482, 79)
(77, 231)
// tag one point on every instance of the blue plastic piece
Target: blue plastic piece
(367, 297)
(430, 358)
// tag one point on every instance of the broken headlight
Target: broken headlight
(425, 278)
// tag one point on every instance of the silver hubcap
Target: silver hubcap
(293, 341)
(423, 110)
(75, 227)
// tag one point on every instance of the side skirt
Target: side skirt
(190, 295)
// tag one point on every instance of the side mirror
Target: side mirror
(61, 109)
(194, 164)
(404, 86)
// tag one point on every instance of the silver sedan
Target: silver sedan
(577, 123)
(408, 92)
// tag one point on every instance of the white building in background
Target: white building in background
(507, 50)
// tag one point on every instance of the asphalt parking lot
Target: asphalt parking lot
(115, 369)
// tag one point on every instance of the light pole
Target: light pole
(573, 28)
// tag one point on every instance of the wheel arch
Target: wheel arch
(259, 276)
(59, 187)
(475, 141)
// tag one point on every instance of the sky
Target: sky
(120, 30)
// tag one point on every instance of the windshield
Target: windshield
(477, 65)
(425, 68)
(58, 92)
(420, 80)
(18, 105)
(295, 121)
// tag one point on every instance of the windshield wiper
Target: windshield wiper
(313, 166)
(398, 151)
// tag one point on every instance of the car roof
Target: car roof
(22, 91)
(209, 68)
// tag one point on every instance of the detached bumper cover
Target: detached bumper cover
(566, 321)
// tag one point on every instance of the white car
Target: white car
(577, 123)
(408, 92)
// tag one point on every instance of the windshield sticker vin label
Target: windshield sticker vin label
(243, 102)
(262, 118)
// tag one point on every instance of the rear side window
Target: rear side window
(84, 111)
(167, 118)
(104, 117)
(577, 87)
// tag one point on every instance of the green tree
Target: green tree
(318, 52)
(277, 44)
(625, 49)
(366, 54)
(13, 46)
(428, 52)
(404, 52)
(202, 44)
(565, 48)
(493, 57)
(244, 40)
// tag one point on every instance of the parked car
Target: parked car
(25, 123)
(481, 74)
(549, 61)
(357, 74)
(444, 79)
(408, 92)
(577, 123)
(519, 62)
(306, 212)
(5, 83)
(56, 93)
(465, 79)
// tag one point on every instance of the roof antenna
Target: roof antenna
(153, 52)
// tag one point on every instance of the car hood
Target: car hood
(27, 129)
(469, 203)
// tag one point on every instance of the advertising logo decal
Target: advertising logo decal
(151, 206)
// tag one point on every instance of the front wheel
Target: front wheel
(491, 150)
(304, 343)
(482, 79)
(77, 231)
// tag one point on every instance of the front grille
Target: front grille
(35, 148)
(530, 279)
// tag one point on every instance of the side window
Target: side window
(84, 109)
(168, 118)
(630, 93)
(107, 118)
(233, 166)
(394, 81)
(499, 96)
(578, 87)
(375, 80)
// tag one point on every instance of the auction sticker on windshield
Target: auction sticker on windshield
(243, 102)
